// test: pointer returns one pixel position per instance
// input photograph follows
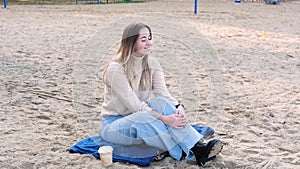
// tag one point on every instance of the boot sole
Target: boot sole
(215, 149)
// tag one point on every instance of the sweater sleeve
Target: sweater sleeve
(159, 87)
(118, 82)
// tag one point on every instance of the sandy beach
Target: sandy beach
(235, 66)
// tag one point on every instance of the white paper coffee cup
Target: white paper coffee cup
(105, 153)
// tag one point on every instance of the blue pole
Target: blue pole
(4, 1)
(195, 7)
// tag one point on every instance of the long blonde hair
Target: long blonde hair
(125, 58)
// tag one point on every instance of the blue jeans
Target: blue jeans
(142, 128)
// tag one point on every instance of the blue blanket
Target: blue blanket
(136, 154)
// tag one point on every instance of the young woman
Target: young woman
(131, 117)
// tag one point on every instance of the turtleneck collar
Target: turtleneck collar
(138, 59)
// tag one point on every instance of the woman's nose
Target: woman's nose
(149, 42)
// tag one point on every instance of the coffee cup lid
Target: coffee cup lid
(105, 149)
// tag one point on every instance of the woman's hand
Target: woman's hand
(174, 120)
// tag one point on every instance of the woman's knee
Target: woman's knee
(141, 117)
(162, 105)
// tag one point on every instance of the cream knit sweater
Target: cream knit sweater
(121, 99)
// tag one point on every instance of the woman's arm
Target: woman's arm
(159, 87)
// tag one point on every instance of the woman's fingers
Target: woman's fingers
(180, 122)
(176, 121)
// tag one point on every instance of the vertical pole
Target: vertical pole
(195, 7)
(4, 1)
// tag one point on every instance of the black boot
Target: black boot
(199, 151)
(206, 152)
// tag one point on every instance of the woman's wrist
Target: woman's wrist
(156, 114)
(160, 116)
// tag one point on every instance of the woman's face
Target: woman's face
(143, 43)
